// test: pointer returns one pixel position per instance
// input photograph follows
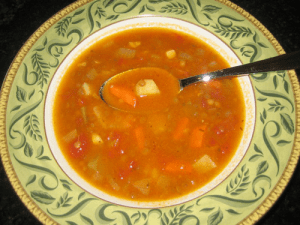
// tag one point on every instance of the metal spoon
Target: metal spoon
(282, 62)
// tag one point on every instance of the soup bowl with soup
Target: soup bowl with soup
(149, 158)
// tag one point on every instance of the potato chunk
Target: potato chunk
(96, 138)
(171, 54)
(143, 186)
(86, 88)
(146, 87)
(204, 164)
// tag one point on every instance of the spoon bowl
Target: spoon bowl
(145, 80)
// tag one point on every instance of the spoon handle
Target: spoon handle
(281, 62)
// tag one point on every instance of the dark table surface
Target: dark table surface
(20, 18)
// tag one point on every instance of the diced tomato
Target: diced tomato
(79, 147)
(115, 152)
(115, 145)
(123, 173)
(127, 170)
(219, 129)
(79, 121)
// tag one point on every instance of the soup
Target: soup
(146, 89)
(147, 155)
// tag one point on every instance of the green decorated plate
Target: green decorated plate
(53, 194)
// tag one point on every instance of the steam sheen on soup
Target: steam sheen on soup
(148, 155)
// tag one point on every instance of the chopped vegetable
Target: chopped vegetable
(163, 182)
(124, 94)
(126, 53)
(196, 138)
(83, 112)
(134, 44)
(140, 137)
(204, 164)
(113, 184)
(181, 127)
(77, 144)
(93, 164)
(70, 136)
(86, 89)
(97, 111)
(92, 74)
(96, 138)
(171, 54)
(143, 186)
(184, 55)
(146, 87)
(79, 147)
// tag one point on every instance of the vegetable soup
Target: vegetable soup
(148, 155)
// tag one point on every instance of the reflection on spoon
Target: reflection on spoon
(150, 89)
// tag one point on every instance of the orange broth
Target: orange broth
(157, 155)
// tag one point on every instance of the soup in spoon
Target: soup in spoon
(141, 90)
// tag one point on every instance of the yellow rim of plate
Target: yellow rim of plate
(252, 218)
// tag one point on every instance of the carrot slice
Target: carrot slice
(125, 94)
(140, 137)
(180, 128)
(197, 135)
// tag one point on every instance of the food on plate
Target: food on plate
(148, 155)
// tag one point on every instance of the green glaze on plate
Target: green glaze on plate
(52, 197)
